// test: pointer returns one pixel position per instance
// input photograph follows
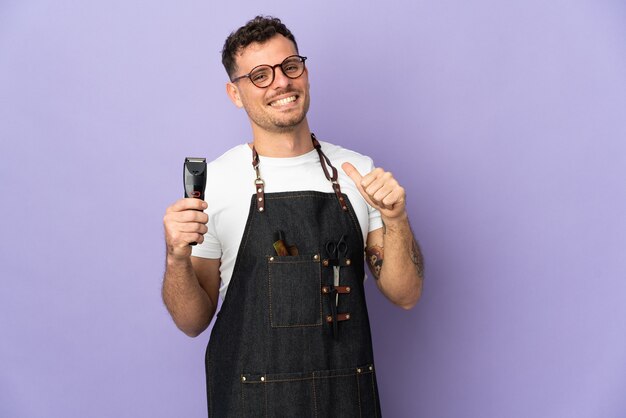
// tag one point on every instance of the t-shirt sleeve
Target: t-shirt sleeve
(376, 221)
(211, 247)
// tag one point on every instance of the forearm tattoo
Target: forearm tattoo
(375, 259)
(417, 258)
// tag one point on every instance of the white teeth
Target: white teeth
(282, 102)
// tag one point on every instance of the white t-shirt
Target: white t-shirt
(230, 186)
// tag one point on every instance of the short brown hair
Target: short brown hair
(259, 29)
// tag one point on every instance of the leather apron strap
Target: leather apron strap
(331, 176)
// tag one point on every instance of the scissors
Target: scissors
(337, 251)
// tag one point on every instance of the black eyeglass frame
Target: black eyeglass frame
(273, 67)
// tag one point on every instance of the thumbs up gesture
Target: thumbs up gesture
(380, 190)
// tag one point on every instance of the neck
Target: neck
(283, 144)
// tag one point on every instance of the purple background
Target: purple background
(506, 122)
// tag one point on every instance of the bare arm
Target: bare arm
(190, 284)
(395, 260)
(393, 255)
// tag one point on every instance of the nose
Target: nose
(280, 79)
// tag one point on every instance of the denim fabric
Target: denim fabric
(272, 352)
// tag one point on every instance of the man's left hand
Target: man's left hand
(380, 189)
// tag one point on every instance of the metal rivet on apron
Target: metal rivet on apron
(348, 289)
(260, 199)
(348, 262)
(371, 368)
(271, 258)
(316, 257)
(329, 318)
(325, 263)
(347, 316)
(358, 370)
(262, 379)
(259, 190)
(260, 209)
(243, 378)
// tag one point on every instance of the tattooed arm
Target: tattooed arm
(395, 259)
(393, 255)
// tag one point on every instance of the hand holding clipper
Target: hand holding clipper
(194, 178)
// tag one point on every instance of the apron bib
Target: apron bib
(289, 341)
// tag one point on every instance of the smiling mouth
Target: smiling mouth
(284, 101)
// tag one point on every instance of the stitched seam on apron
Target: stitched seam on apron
(269, 292)
(300, 379)
(358, 391)
(374, 396)
(301, 195)
(265, 392)
(243, 402)
(208, 383)
(314, 397)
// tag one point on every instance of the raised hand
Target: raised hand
(380, 189)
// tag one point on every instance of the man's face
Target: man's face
(283, 105)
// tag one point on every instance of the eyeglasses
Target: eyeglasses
(262, 76)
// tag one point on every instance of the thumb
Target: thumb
(356, 177)
(353, 173)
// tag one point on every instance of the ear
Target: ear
(233, 94)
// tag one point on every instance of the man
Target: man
(280, 239)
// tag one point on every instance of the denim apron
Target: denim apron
(288, 340)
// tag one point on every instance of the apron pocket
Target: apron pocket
(295, 297)
(345, 393)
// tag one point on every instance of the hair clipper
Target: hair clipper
(194, 178)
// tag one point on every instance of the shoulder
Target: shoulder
(339, 155)
(236, 156)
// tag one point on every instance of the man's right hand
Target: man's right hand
(184, 222)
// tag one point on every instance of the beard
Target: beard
(279, 122)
